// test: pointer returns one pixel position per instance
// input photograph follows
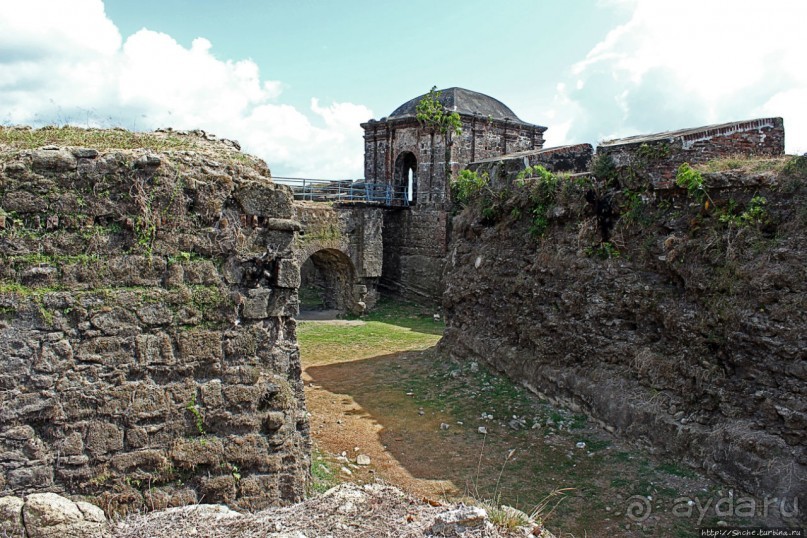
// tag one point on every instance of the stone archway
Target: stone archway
(405, 178)
(327, 282)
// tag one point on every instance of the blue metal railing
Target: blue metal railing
(345, 190)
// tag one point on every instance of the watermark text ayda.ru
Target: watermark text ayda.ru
(639, 508)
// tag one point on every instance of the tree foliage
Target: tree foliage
(433, 114)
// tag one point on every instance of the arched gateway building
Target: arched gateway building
(401, 152)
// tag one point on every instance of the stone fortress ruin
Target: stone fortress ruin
(148, 300)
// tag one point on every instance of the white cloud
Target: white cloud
(689, 63)
(66, 62)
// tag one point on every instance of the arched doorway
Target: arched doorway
(405, 180)
(326, 283)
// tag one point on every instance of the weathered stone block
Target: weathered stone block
(136, 438)
(243, 396)
(283, 303)
(155, 314)
(103, 437)
(53, 160)
(27, 478)
(11, 523)
(102, 371)
(211, 394)
(247, 450)
(151, 459)
(200, 345)
(265, 200)
(72, 445)
(255, 305)
(288, 274)
(154, 349)
(219, 489)
(48, 515)
(190, 453)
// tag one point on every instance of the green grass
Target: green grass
(323, 343)
(675, 469)
(323, 472)
(745, 163)
(100, 139)
(409, 315)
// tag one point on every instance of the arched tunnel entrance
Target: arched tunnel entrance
(327, 279)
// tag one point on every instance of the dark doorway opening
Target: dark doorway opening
(405, 180)
(326, 283)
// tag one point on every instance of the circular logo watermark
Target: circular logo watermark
(638, 509)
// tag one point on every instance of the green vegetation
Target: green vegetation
(796, 166)
(657, 152)
(542, 186)
(198, 420)
(467, 185)
(331, 232)
(323, 475)
(57, 260)
(633, 209)
(746, 164)
(535, 192)
(603, 168)
(690, 179)
(754, 214)
(605, 251)
(408, 395)
(100, 139)
(434, 115)
(207, 298)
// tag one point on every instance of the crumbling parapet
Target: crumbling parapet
(652, 160)
(570, 159)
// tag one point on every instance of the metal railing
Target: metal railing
(345, 190)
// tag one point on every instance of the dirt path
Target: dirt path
(341, 423)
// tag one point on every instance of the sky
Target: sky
(292, 80)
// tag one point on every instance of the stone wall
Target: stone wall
(147, 339)
(567, 159)
(686, 332)
(415, 243)
(655, 158)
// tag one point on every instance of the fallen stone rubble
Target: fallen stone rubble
(346, 511)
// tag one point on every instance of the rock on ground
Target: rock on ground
(48, 515)
(346, 511)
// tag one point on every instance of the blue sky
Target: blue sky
(292, 80)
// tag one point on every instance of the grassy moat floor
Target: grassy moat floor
(378, 388)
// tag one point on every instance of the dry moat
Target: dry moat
(378, 388)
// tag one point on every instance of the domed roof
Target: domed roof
(464, 102)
